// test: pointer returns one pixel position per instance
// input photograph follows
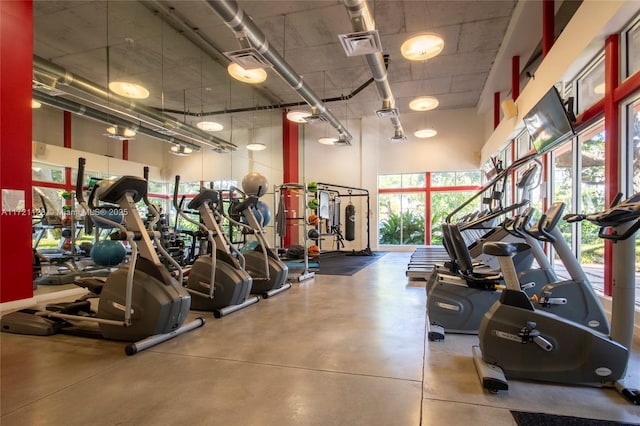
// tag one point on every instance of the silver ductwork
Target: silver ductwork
(104, 117)
(238, 21)
(362, 20)
(59, 77)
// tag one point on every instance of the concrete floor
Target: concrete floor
(332, 351)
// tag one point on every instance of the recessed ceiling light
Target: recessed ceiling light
(425, 133)
(424, 103)
(254, 76)
(422, 47)
(328, 141)
(129, 90)
(35, 104)
(298, 116)
(256, 146)
(209, 126)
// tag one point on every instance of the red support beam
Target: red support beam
(611, 142)
(548, 26)
(125, 149)
(427, 208)
(66, 129)
(290, 160)
(515, 77)
(496, 109)
(16, 70)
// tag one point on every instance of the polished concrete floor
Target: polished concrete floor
(331, 351)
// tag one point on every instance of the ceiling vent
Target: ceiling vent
(361, 43)
(387, 112)
(248, 59)
(48, 89)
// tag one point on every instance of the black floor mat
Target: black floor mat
(524, 418)
(344, 262)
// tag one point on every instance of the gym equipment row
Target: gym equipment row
(520, 340)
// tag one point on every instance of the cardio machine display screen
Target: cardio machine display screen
(548, 122)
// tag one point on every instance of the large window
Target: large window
(411, 207)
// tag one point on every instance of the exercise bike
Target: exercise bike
(522, 342)
(140, 303)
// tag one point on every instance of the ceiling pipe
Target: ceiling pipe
(180, 24)
(61, 76)
(346, 97)
(104, 117)
(238, 21)
(362, 20)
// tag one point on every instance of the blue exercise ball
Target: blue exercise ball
(108, 253)
(262, 213)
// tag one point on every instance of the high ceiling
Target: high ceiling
(174, 48)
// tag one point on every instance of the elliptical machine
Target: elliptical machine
(140, 303)
(519, 341)
(217, 282)
(269, 273)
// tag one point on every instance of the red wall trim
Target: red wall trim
(515, 77)
(548, 26)
(290, 160)
(16, 69)
(66, 129)
(611, 142)
(496, 109)
(627, 87)
(125, 149)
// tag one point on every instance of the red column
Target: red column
(427, 207)
(66, 139)
(496, 109)
(290, 154)
(611, 142)
(125, 149)
(16, 51)
(548, 26)
(515, 77)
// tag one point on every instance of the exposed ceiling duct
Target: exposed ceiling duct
(105, 117)
(363, 25)
(238, 21)
(59, 78)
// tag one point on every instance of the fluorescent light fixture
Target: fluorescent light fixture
(256, 146)
(424, 103)
(253, 76)
(298, 116)
(129, 90)
(328, 141)
(422, 47)
(209, 126)
(181, 150)
(425, 133)
(35, 104)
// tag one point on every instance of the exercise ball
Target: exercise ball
(313, 234)
(313, 204)
(262, 212)
(255, 184)
(108, 253)
(312, 186)
(313, 220)
(314, 251)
